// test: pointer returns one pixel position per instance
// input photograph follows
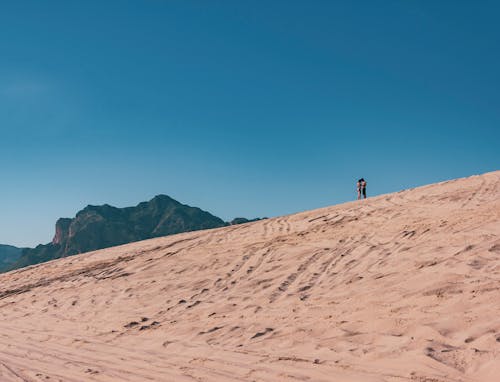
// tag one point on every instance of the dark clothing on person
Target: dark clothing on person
(361, 188)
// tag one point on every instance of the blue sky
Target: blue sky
(256, 108)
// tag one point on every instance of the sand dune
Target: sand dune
(400, 287)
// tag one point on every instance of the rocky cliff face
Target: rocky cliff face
(97, 227)
(62, 230)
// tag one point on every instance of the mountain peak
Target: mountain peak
(97, 227)
(163, 199)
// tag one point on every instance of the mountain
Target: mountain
(8, 256)
(236, 221)
(398, 287)
(97, 227)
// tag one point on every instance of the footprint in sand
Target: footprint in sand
(152, 325)
(131, 324)
(260, 334)
(214, 329)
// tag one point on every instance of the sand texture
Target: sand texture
(400, 287)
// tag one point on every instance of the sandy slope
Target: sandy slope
(401, 287)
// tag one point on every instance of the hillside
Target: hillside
(399, 287)
(97, 227)
(8, 256)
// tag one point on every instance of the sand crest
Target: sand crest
(400, 287)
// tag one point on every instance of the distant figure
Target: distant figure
(361, 188)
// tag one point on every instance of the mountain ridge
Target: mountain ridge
(101, 226)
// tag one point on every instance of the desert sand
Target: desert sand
(399, 287)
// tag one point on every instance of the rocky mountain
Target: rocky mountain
(236, 221)
(8, 256)
(97, 227)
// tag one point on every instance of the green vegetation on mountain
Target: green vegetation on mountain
(244, 220)
(8, 256)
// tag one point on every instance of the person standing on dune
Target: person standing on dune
(361, 188)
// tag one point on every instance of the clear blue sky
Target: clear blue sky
(243, 108)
